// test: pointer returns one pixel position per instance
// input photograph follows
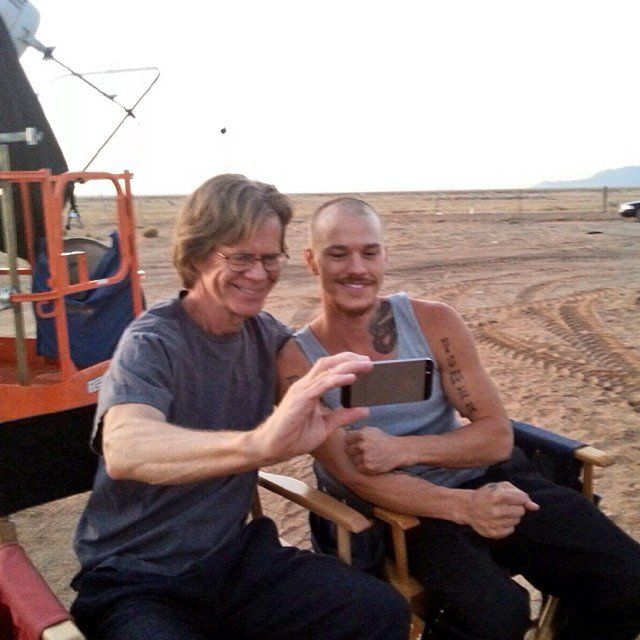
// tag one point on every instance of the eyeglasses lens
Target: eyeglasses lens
(240, 262)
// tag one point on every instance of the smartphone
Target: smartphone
(390, 382)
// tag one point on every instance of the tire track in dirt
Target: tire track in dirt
(600, 357)
(476, 262)
(450, 294)
(540, 291)
(580, 327)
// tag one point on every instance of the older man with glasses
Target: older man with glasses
(185, 418)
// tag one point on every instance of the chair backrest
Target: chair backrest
(27, 605)
(552, 454)
(45, 458)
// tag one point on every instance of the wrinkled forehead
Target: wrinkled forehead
(346, 225)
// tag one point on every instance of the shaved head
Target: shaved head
(343, 205)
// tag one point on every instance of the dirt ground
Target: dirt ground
(552, 298)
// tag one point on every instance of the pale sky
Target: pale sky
(347, 95)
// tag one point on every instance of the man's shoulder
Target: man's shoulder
(273, 329)
(436, 319)
(291, 355)
(162, 320)
(269, 320)
(433, 310)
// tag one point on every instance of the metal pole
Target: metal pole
(11, 245)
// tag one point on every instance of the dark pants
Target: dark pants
(568, 549)
(258, 589)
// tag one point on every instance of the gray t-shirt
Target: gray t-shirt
(198, 381)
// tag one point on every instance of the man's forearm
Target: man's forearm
(393, 490)
(413, 496)
(483, 442)
(141, 446)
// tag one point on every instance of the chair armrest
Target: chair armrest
(314, 500)
(594, 456)
(399, 520)
(397, 569)
(34, 609)
(66, 630)
(560, 458)
(528, 437)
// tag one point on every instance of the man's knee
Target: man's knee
(145, 617)
(508, 622)
(394, 615)
(504, 618)
(384, 613)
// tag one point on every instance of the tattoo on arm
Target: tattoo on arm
(471, 410)
(383, 328)
(456, 378)
(463, 392)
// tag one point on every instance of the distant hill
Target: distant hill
(622, 177)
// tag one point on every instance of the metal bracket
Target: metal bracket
(5, 297)
(30, 135)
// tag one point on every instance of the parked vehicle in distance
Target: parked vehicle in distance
(630, 210)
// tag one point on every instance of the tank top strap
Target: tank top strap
(411, 340)
(310, 345)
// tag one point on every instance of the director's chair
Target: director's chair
(563, 460)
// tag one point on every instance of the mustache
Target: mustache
(357, 281)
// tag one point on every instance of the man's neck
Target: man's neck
(209, 318)
(373, 333)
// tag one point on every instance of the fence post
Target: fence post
(605, 199)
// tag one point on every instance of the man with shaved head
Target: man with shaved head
(482, 506)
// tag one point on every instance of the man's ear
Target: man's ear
(310, 259)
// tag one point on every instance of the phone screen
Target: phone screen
(391, 382)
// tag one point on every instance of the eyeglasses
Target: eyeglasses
(239, 262)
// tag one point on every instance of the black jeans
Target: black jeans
(568, 549)
(257, 589)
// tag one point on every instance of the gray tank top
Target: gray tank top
(433, 416)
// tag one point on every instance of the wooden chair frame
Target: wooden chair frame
(397, 567)
(347, 521)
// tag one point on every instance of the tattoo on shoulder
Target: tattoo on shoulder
(456, 378)
(383, 328)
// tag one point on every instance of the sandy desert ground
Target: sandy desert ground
(552, 295)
